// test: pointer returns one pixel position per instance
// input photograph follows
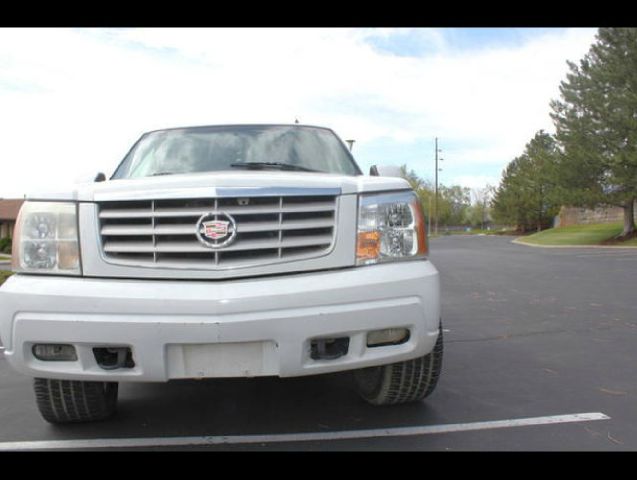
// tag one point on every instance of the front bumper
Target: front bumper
(199, 329)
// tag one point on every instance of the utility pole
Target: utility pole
(429, 218)
(436, 189)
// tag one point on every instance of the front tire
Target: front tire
(72, 401)
(402, 382)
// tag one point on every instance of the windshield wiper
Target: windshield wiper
(280, 165)
(156, 174)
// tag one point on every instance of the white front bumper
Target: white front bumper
(190, 329)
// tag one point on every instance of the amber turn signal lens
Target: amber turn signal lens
(368, 245)
(68, 255)
(420, 228)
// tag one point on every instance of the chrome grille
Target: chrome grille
(270, 229)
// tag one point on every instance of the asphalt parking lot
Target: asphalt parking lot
(534, 337)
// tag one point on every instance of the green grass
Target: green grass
(4, 274)
(478, 231)
(577, 235)
(475, 231)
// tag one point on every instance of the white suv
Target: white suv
(223, 251)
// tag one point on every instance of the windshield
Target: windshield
(208, 149)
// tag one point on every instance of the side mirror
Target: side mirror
(385, 171)
(100, 177)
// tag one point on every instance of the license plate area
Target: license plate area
(216, 360)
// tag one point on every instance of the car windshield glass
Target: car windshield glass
(207, 149)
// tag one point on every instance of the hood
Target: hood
(208, 184)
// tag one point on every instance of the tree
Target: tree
(478, 213)
(596, 125)
(422, 187)
(453, 202)
(539, 173)
(508, 204)
(527, 196)
(412, 177)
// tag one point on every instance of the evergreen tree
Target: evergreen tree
(508, 204)
(527, 196)
(596, 125)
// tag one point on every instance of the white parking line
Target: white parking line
(297, 437)
(622, 254)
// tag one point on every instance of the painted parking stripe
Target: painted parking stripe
(298, 437)
(622, 254)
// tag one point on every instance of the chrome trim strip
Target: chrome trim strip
(275, 191)
(173, 193)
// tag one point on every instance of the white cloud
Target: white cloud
(88, 94)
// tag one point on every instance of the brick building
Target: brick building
(8, 213)
(585, 216)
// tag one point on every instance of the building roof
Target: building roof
(9, 208)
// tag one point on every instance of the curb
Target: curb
(616, 247)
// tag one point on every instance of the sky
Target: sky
(73, 101)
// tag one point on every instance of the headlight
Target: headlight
(391, 226)
(46, 239)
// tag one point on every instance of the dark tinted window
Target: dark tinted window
(205, 149)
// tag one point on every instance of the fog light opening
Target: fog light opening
(388, 336)
(329, 348)
(50, 352)
(111, 358)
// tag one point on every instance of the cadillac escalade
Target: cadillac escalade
(223, 251)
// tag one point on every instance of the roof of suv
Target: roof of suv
(241, 125)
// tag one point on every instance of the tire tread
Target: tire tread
(72, 401)
(407, 381)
